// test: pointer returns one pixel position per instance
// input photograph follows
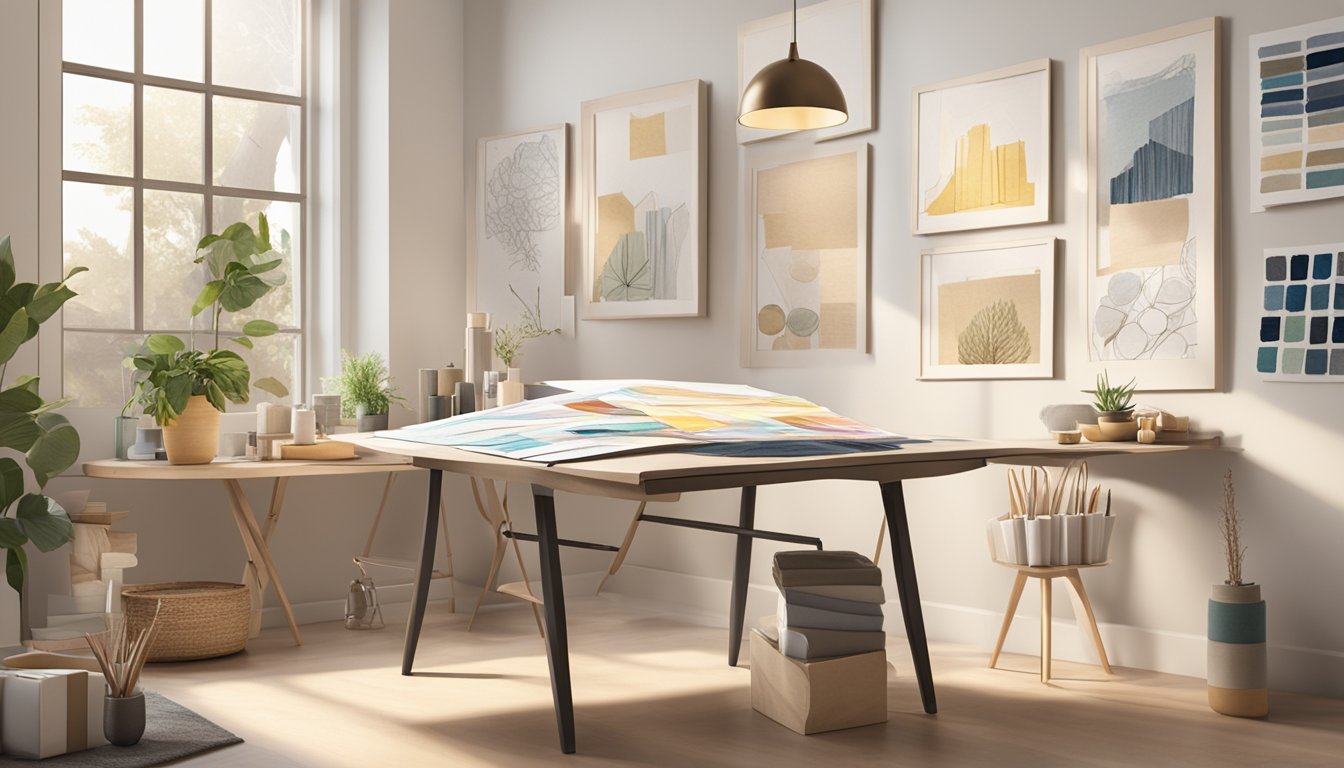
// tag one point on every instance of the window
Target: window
(179, 117)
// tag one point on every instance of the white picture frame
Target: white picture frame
(1155, 254)
(1294, 148)
(677, 169)
(838, 246)
(1002, 116)
(836, 34)
(516, 271)
(987, 294)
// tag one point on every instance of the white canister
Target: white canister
(1040, 548)
(1073, 539)
(303, 425)
(1014, 534)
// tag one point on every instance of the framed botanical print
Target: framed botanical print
(644, 191)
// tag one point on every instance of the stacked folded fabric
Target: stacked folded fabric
(830, 604)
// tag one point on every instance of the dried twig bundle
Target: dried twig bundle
(1230, 525)
(121, 656)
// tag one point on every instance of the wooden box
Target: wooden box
(817, 696)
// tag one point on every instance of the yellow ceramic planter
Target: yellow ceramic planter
(193, 437)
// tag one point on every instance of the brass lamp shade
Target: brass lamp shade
(793, 94)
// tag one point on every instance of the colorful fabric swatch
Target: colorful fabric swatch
(1302, 315)
(1297, 114)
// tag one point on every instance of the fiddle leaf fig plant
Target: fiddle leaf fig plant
(30, 426)
(243, 268)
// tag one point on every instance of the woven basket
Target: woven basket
(198, 620)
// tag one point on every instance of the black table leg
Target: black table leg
(424, 572)
(903, 561)
(741, 575)
(553, 597)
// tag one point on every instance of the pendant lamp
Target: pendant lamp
(793, 94)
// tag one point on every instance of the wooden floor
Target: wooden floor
(656, 691)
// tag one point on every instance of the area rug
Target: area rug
(172, 732)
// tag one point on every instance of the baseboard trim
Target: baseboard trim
(704, 600)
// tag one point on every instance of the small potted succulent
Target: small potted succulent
(185, 388)
(366, 390)
(1115, 411)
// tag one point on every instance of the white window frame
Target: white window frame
(52, 67)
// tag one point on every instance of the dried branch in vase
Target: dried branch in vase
(121, 656)
(1230, 525)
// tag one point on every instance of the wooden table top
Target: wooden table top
(664, 475)
(119, 469)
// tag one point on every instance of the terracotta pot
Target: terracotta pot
(193, 437)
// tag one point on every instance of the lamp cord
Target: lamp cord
(795, 22)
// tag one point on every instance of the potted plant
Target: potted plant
(1115, 412)
(1238, 667)
(29, 426)
(185, 388)
(366, 390)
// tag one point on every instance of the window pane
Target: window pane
(272, 356)
(175, 38)
(277, 306)
(173, 223)
(173, 134)
(256, 44)
(94, 368)
(100, 33)
(97, 125)
(256, 145)
(97, 233)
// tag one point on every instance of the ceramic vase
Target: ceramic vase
(1040, 542)
(511, 388)
(193, 437)
(123, 434)
(124, 719)
(1238, 667)
(1014, 535)
(1073, 539)
(369, 422)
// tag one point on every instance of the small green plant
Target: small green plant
(30, 426)
(364, 384)
(509, 338)
(243, 266)
(1111, 399)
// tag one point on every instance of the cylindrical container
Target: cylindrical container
(465, 397)
(264, 417)
(440, 407)
(273, 418)
(328, 410)
(1107, 528)
(479, 348)
(1040, 548)
(489, 398)
(1238, 665)
(124, 719)
(1073, 539)
(511, 389)
(303, 425)
(1057, 539)
(124, 434)
(448, 377)
(429, 387)
(1014, 533)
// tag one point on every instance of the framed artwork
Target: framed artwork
(1302, 317)
(838, 35)
(807, 247)
(982, 150)
(644, 190)
(988, 311)
(1297, 114)
(518, 273)
(1150, 117)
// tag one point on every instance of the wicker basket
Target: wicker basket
(198, 620)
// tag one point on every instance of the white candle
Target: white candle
(304, 426)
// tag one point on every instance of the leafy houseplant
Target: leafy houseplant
(30, 426)
(1113, 403)
(185, 388)
(366, 390)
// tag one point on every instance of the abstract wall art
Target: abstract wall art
(518, 273)
(988, 311)
(838, 35)
(1150, 108)
(1297, 114)
(982, 150)
(1302, 317)
(644, 176)
(806, 241)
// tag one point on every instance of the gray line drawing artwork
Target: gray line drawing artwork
(523, 197)
(1148, 314)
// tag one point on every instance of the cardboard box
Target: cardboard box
(817, 696)
(49, 712)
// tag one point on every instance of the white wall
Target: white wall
(531, 62)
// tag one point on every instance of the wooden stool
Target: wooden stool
(1082, 608)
